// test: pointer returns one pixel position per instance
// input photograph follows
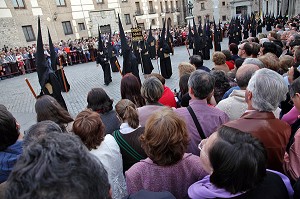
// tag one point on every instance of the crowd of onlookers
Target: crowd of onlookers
(20, 60)
(241, 118)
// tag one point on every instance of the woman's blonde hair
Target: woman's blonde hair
(185, 68)
(126, 110)
(219, 58)
(165, 139)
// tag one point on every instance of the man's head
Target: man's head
(278, 27)
(58, 165)
(244, 74)
(268, 47)
(245, 50)
(254, 61)
(196, 60)
(9, 128)
(201, 85)
(266, 89)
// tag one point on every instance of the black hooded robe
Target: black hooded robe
(165, 61)
(102, 59)
(146, 61)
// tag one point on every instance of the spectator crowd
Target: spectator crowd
(229, 132)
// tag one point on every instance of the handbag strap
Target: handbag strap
(198, 126)
(124, 145)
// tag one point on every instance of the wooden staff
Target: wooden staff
(63, 75)
(30, 87)
(187, 48)
(118, 66)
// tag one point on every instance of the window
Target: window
(67, 27)
(153, 22)
(100, 1)
(161, 7)
(60, 3)
(202, 6)
(223, 3)
(172, 7)
(224, 18)
(127, 19)
(138, 8)
(167, 7)
(177, 6)
(81, 26)
(151, 8)
(28, 32)
(18, 4)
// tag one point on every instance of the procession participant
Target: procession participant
(47, 78)
(57, 67)
(246, 28)
(164, 51)
(205, 49)
(151, 43)
(146, 61)
(112, 55)
(102, 59)
(169, 40)
(130, 63)
(197, 45)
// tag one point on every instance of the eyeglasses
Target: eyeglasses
(201, 145)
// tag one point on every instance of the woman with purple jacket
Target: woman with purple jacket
(168, 167)
(236, 163)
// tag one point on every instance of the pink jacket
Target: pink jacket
(291, 116)
(291, 163)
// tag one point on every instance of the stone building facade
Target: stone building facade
(223, 10)
(73, 19)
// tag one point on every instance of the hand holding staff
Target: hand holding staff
(30, 87)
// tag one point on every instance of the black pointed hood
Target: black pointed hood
(162, 35)
(124, 44)
(109, 38)
(52, 53)
(150, 36)
(200, 31)
(197, 40)
(169, 35)
(100, 43)
(190, 32)
(216, 38)
(40, 61)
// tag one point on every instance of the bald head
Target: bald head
(244, 74)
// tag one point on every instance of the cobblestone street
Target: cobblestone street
(16, 96)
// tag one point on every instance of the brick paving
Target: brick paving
(16, 96)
